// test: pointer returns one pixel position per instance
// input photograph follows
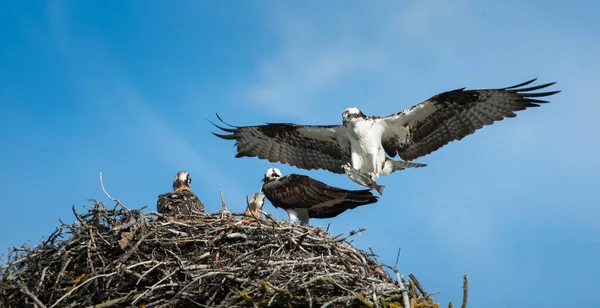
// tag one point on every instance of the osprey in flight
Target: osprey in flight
(303, 197)
(182, 201)
(363, 141)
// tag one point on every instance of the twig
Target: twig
(62, 271)
(41, 279)
(418, 285)
(465, 291)
(403, 290)
(338, 300)
(375, 295)
(26, 291)
(148, 271)
(111, 302)
(223, 205)
(82, 284)
(108, 195)
(153, 287)
(397, 259)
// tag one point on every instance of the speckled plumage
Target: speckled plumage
(182, 201)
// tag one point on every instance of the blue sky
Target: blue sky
(126, 88)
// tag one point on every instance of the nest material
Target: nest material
(121, 258)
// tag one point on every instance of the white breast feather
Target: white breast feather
(366, 145)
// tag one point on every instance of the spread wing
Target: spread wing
(179, 203)
(304, 146)
(452, 115)
(321, 200)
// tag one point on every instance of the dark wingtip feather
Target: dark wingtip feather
(534, 101)
(220, 119)
(226, 137)
(520, 85)
(243, 154)
(540, 94)
(229, 130)
(535, 87)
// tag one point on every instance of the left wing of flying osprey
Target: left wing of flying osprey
(361, 140)
(304, 146)
(303, 197)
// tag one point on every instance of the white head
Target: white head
(182, 181)
(271, 175)
(352, 113)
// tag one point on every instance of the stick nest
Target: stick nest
(121, 258)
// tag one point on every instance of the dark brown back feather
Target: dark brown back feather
(321, 200)
(179, 203)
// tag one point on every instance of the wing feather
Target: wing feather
(452, 115)
(320, 199)
(179, 203)
(304, 146)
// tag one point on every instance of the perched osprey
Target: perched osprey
(364, 140)
(182, 201)
(303, 197)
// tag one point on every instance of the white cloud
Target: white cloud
(306, 64)
(326, 52)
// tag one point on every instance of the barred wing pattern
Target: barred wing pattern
(452, 115)
(304, 146)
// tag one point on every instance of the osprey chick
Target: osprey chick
(255, 205)
(182, 201)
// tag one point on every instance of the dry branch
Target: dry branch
(120, 257)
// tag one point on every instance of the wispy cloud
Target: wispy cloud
(321, 56)
(172, 149)
(100, 81)
(314, 56)
(307, 63)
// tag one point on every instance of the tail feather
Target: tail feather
(361, 196)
